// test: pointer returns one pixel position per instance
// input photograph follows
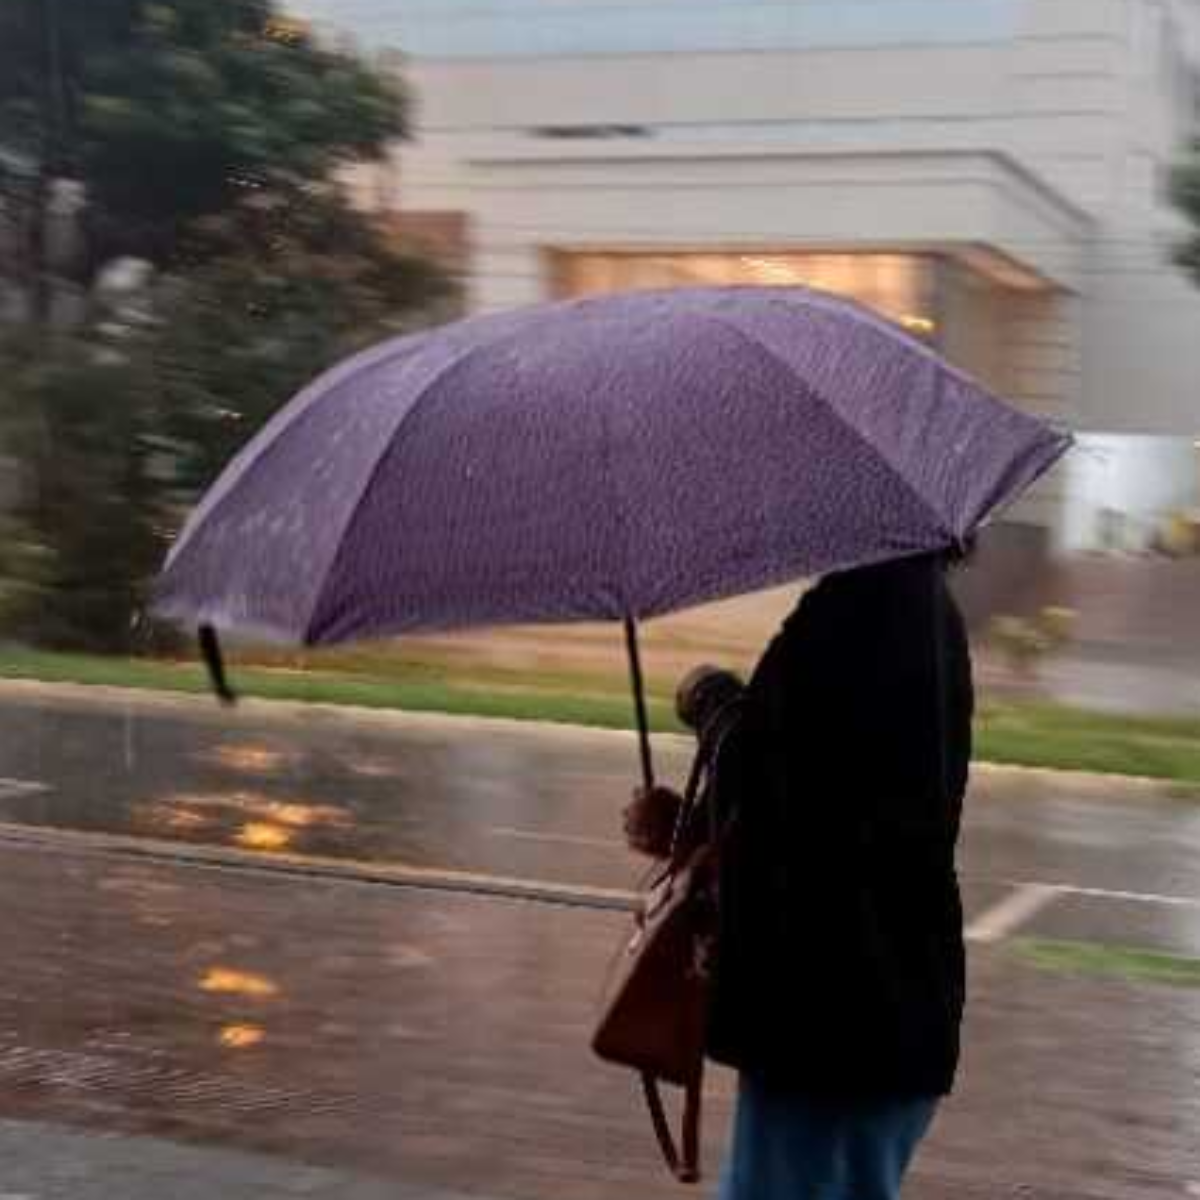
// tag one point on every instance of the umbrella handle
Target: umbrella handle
(639, 701)
(210, 651)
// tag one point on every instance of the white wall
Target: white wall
(1089, 95)
(1143, 478)
(490, 29)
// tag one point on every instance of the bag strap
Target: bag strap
(684, 816)
(683, 1159)
(701, 787)
(711, 749)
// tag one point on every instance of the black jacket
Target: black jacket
(840, 963)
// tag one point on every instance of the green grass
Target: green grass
(1042, 735)
(415, 688)
(1036, 735)
(1094, 960)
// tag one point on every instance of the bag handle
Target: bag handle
(683, 1159)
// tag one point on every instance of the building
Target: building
(991, 173)
(1132, 493)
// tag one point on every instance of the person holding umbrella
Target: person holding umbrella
(838, 984)
(618, 458)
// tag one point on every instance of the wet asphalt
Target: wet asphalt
(333, 1035)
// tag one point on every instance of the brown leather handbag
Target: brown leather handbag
(655, 1012)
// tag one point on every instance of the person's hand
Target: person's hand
(650, 821)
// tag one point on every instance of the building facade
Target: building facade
(990, 173)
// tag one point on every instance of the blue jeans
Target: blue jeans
(786, 1147)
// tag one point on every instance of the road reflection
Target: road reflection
(230, 981)
(263, 835)
(327, 787)
(252, 759)
(246, 819)
(240, 1037)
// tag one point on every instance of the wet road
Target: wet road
(515, 800)
(335, 1036)
(363, 788)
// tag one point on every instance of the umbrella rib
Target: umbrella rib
(432, 389)
(621, 521)
(252, 457)
(758, 343)
(263, 443)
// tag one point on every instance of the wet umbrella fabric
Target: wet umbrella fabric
(615, 457)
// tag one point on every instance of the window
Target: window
(896, 285)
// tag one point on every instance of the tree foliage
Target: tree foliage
(180, 109)
(89, 526)
(205, 138)
(251, 330)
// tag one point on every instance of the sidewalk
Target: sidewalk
(323, 1039)
(46, 1162)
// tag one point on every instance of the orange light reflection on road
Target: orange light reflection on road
(259, 760)
(228, 981)
(301, 816)
(240, 1037)
(268, 824)
(263, 835)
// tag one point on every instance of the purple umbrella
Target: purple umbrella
(609, 458)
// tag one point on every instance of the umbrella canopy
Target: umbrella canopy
(614, 457)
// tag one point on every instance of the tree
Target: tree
(250, 331)
(175, 110)
(82, 540)
(204, 138)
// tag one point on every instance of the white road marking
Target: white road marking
(1027, 899)
(11, 789)
(566, 839)
(1011, 913)
(1067, 889)
(1037, 893)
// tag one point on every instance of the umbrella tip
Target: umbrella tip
(210, 650)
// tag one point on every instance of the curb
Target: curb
(313, 868)
(95, 695)
(1090, 781)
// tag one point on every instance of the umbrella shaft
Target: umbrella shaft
(639, 701)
